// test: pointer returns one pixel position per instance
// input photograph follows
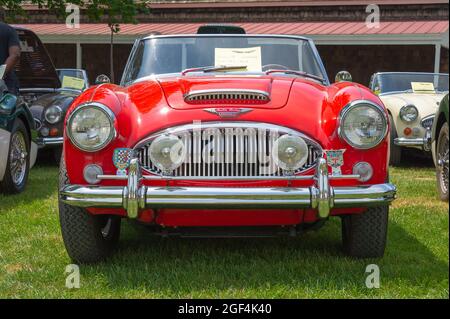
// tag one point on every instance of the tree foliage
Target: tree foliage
(114, 12)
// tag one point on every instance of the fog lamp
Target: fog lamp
(364, 170)
(167, 152)
(290, 152)
(44, 131)
(91, 172)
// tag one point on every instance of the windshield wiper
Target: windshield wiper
(207, 69)
(300, 73)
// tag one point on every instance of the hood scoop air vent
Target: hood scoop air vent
(231, 96)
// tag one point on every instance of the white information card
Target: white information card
(250, 57)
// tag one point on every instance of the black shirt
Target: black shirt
(8, 38)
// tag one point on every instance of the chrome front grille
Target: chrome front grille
(228, 96)
(427, 122)
(228, 149)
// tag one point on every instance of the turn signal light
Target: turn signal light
(407, 131)
(54, 132)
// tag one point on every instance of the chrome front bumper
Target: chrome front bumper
(49, 141)
(136, 197)
(424, 142)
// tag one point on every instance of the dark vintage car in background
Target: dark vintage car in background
(225, 135)
(50, 109)
(440, 148)
(47, 91)
(17, 149)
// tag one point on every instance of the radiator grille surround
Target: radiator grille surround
(236, 149)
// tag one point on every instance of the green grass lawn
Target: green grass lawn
(416, 264)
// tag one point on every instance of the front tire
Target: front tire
(88, 238)
(18, 166)
(396, 151)
(364, 235)
(442, 154)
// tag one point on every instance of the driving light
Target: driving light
(91, 173)
(167, 152)
(363, 124)
(290, 152)
(53, 114)
(44, 131)
(409, 113)
(364, 170)
(91, 127)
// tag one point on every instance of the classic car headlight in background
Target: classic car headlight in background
(409, 113)
(53, 114)
(290, 152)
(167, 152)
(363, 124)
(91, 127)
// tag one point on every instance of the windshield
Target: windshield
(72, 79)
(411, 82)
(168, 55)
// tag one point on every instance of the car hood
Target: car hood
(276, 89)
(35, 68)
(62, 98)
(425, 103)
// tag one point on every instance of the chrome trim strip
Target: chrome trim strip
(49, 141)
(134, 197)
(403, 141)
(226, 178)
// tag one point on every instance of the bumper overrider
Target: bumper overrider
(136, 197)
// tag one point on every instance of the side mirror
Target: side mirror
(8, 104)
(101, 79)
(343, 76)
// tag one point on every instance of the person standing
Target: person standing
(9, 53)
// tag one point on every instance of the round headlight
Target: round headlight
(53, 114)
(167, 152)
(409, 113)
(363, 124)
(91, 127)
(290, 152)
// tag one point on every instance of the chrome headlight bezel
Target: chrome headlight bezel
(347, 109)
(404, 110)
(110, 116)
(58, 110)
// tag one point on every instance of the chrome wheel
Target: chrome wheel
(18, 158)
(442, 160)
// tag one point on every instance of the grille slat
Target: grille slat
(427, 122)
(229, 96)
(229, 151)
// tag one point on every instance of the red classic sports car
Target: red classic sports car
(224, 135)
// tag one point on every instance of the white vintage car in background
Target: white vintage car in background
(412, 99)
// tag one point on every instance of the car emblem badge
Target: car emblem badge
(228, 112)
(122, 159)
(335, 159)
